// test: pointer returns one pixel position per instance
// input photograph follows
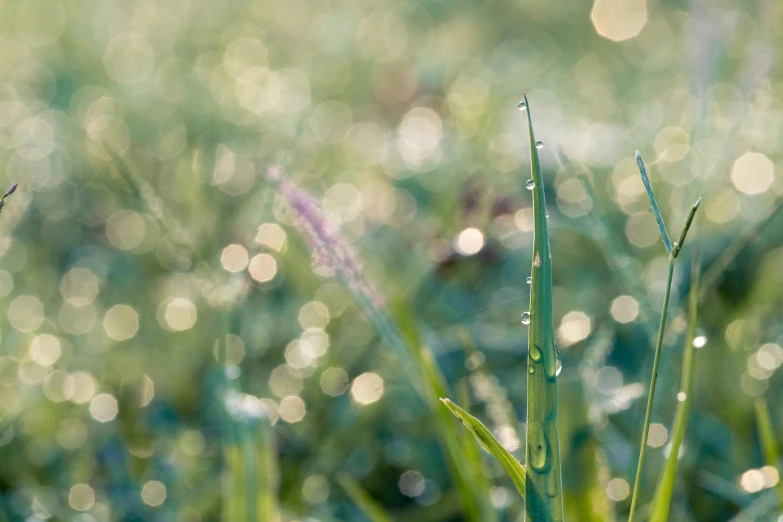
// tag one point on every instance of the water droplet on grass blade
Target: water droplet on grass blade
(539, 144)
(699, 341)
(535, 353)
(522, 106)
(526, 318)
(529, 279)
(558, 362)
(530, 184)
(531, 369)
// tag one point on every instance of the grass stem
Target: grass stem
(663, 495)
(651, 395)
(673, 251)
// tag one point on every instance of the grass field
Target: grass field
(395, 260)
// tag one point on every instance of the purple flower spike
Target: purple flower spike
(330, 248)
(11, 190)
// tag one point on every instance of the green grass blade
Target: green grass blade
(268, 473)
(651, 393)
(371, 509)
(663, 495)
(465, 466)
(544, 498)
(661, 329)
(684, 232)
(769, 442)
(491, 445)
(656, 210)
(585, 470)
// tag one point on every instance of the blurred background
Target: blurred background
(164, 321)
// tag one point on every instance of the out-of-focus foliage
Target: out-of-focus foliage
(168, 339)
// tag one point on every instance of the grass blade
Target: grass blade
(663, 495)
(769, 442)
(585, 470)
(651, 393)
(544, 501)
(371, 509)
(490, 444)
(268, 473)
(661, 328)
(465, 466)
(656, 210)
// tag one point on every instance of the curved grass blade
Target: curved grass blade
(544, 501)
(769, 442)
(656, 210)
(371, 509)
(663, 495)
(490, 444)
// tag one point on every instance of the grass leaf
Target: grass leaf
(544, 498)
(663, 495)
(656, 210)
(490, 444)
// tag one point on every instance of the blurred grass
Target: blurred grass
(398, 118)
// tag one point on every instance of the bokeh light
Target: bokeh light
(367, 388)
(103, 407)
(121, 322)
(153, 493)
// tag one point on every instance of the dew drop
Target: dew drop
(530, 184)
(526, 318)
(539, 144)
(558, 364)
(529, 279)
(535, 353)
(522, 106)
(531, 369)
(681, 396)
(538, 450)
